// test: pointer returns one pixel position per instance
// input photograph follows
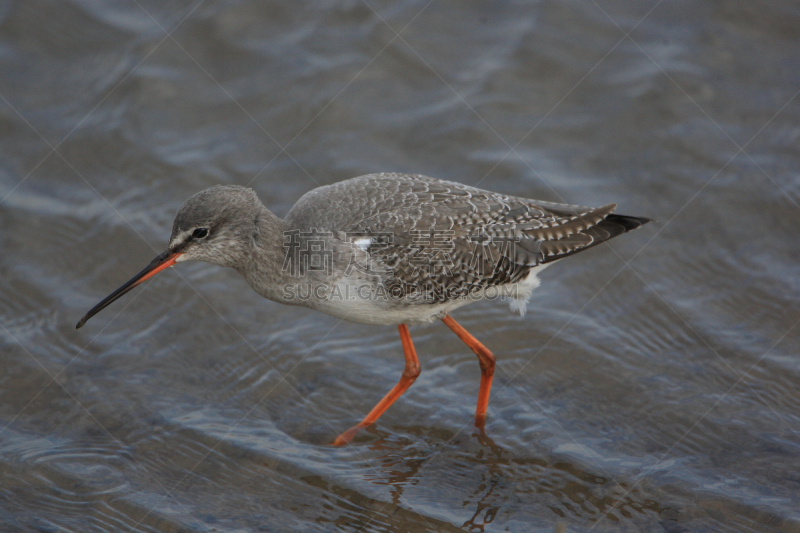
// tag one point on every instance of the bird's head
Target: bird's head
(217, 225)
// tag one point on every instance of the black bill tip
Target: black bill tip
(164, 260)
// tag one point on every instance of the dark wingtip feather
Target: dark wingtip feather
(628, 222)
(608, 228)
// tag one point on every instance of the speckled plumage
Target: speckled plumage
(385, 249)
(415, 247)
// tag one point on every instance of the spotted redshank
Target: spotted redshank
(386, 249)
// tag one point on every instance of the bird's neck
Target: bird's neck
(263, 267)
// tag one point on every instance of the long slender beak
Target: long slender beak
(163, 261)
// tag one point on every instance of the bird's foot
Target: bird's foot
(348, 435)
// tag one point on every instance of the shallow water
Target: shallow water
(652, 386)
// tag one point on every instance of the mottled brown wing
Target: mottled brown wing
(450, 236)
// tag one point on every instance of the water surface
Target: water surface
(652, 386)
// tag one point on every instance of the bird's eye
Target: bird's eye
(200, 233)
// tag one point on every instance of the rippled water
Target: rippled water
(653, 385)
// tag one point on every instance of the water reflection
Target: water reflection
(482, 473)
(351, 510)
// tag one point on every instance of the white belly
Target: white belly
(385, 312)
(350, 299)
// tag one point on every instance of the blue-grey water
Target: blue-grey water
(654, 384)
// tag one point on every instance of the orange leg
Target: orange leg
(486, 360)
(410, 374)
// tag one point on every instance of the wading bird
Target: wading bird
(386, 249)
